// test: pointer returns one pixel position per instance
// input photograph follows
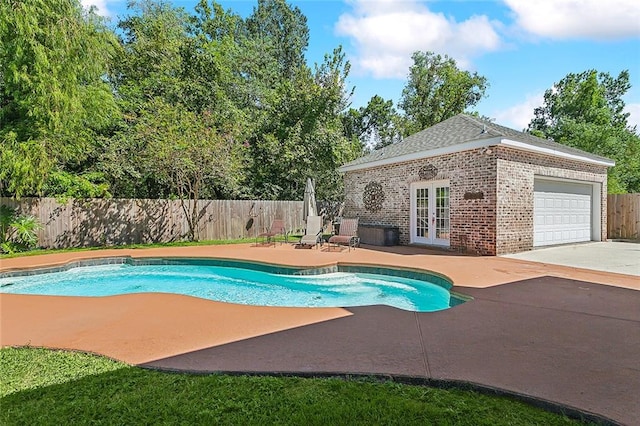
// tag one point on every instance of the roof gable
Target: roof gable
(459, 133)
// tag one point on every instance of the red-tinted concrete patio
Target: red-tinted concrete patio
(564, 335)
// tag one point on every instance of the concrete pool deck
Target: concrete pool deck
(563, 335)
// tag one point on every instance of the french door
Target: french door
(430, 213)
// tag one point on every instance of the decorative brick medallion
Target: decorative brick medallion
(428, 172)
(373, 196)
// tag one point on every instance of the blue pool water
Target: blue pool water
(236, 285)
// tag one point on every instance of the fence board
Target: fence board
(97, 222)
(623, 216)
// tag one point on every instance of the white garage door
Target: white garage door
(561, 212)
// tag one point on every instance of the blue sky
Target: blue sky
(521, 46)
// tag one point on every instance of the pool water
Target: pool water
(236, 285)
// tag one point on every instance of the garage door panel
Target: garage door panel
(562, 217)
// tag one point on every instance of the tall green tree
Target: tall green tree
(220, 52)
(183, 59)
(83, 110)
(436, 90)
(375, 125)
(586, 111)
(282, 31)
(54, 100)
(151, 62)
(229, 66)
(187, 62)
(301, 134)
(148, 70)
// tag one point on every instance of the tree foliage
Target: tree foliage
(375, 125)
(301, 133)
(208, 104)
(171, 61)
(151, 63)
(249, 75)
(281, 30)
(54, 99)
(187, 153)
(436, 90)
(586, 111)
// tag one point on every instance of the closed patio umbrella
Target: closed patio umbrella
(309, 202)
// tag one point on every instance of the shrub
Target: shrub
(18, 232)
(66, 185)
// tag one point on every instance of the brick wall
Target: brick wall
(516, 173)
(497, 220)
(473, 221)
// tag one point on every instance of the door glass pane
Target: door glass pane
(422, 213)
(442, 213)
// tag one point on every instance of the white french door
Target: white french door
(430, 213)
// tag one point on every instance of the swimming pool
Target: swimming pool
(242, 283)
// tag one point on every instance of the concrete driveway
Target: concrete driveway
(609, 256)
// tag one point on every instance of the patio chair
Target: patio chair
(347, 234)
(277, 228)
(313, 234)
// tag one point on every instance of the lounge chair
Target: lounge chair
(347, 234)
(277, 228)
(313, 234)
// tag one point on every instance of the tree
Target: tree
(301, 133)
(150, 64)
(437, 90)
(54, 100)
(216, 23)
(87, 113)
(217, 58)
(586, 111)
(283, 32)
(187, 154)
(184, 63)
(376, 125)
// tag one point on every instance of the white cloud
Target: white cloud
(591, 19)
(101, 6)
(385, 33)
(519, 116)
(634, 114)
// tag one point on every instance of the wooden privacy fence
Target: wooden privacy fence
(98, 222)
(623, 216)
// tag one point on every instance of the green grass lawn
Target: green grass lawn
(36, 252)
(39, 386)
(293, 238)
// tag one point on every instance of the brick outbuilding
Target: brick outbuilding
(474, 186)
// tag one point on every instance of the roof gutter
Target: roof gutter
(497, 141)
(556, 153)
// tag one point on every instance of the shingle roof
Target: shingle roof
(461, 129)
